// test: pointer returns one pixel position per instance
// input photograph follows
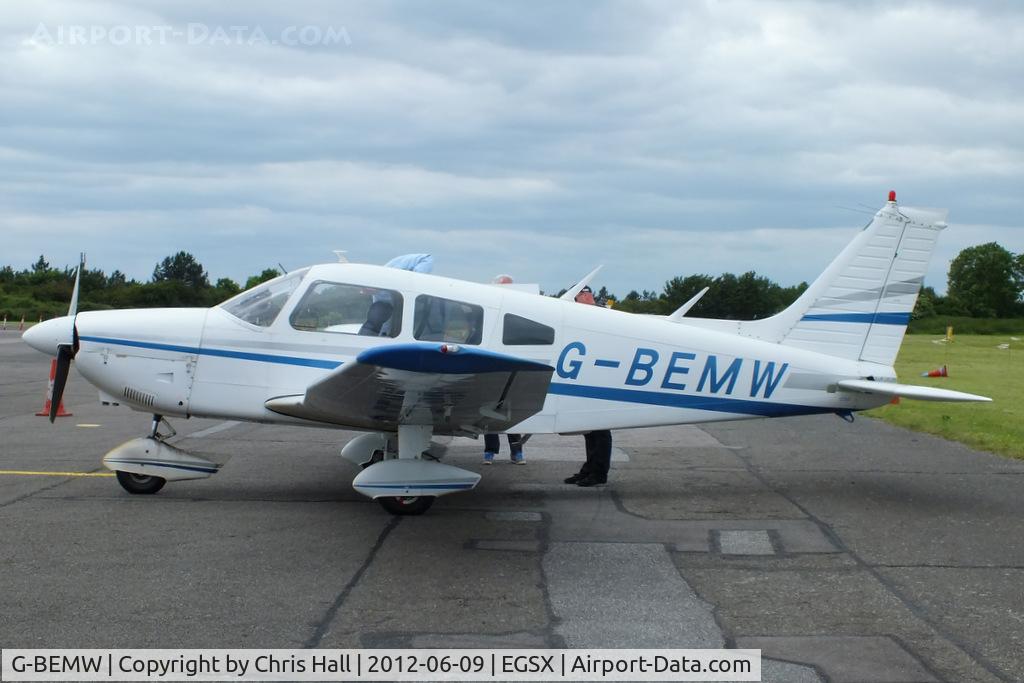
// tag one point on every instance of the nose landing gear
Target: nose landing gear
(145, 464)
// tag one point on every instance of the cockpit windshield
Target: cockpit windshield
(261, 304)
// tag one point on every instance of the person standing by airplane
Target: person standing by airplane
(492, 444)
(599, 443)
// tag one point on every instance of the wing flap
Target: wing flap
(457, 390)
(867, 386)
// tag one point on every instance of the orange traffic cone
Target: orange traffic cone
(937, 372)
(45, 412)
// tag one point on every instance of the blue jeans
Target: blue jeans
(492, 444)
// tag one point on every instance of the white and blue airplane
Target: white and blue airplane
(405, 356)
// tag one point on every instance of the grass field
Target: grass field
(976, 366)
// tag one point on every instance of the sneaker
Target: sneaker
(517, 458)
(591, 480)
(488, 458)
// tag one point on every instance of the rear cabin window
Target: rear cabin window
(261, 304)
(349, 309)
(447, 320)
(520, 331)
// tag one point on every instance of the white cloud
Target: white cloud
(662, 138)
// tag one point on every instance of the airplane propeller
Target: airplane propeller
(60, 379)
(66, 352)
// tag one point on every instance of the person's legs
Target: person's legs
(602, 454)
(515, 447)
(588, 439)
(491, 446)
(599, 458)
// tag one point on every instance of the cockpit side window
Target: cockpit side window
(520, 331)
(261, 304)
(447, 320)
(349, 309)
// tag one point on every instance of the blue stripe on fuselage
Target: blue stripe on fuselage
(693, 402)
(221, 353)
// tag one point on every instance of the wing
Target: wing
(867, 386)
(457, 389)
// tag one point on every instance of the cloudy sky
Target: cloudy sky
(536, 139)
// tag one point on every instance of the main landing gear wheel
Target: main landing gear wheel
(406, 505)
(141, 484)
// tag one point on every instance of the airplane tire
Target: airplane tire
(140, 484)
(406, 505)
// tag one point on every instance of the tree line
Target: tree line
(43, 291)
(985, 281)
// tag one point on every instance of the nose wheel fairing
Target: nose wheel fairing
(151, 457)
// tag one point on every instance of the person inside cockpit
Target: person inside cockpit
(376, 317)
(458, 328)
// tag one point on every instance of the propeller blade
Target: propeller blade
(73, 308)
(64, 355)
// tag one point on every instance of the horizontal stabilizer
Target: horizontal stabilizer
(868, 386)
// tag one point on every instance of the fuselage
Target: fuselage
(612, 369)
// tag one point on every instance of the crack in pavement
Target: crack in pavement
(913, 607)
(324, 627)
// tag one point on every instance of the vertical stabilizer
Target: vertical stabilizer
(860, 306)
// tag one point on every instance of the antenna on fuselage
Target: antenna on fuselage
(570, 294)
(678, 314)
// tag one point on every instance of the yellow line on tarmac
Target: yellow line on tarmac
(26, 473)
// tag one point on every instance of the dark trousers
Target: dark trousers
(599, 454)
(492, 443)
